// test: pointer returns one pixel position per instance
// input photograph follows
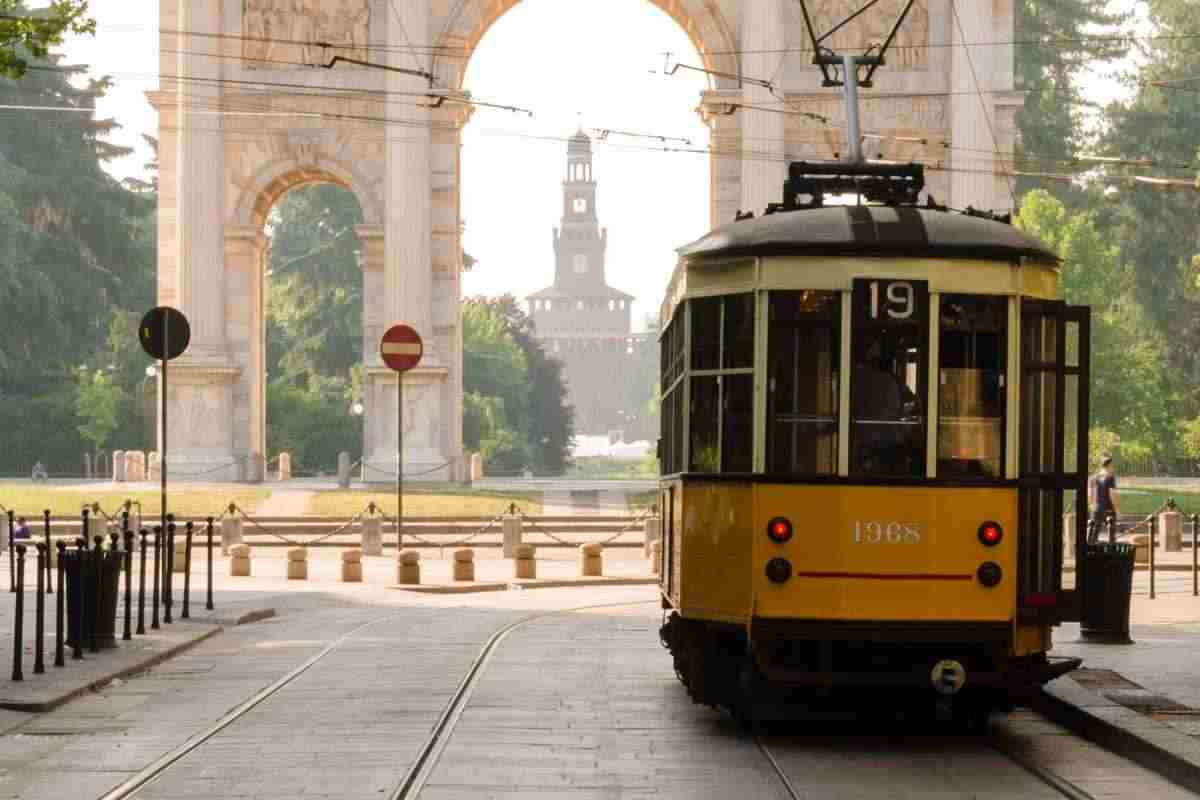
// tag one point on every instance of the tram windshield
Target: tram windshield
(971, 394)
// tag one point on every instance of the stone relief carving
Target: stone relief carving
(196, 419)
(909, 49)
(289, 30)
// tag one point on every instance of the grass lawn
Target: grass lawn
(1147, 501)
(454, 502)
(68, 500)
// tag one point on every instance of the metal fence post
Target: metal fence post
(12, 558)
(49, 566)
(1153, 529)
(19, 614)
(39, 621)
(154, 599)
(98, 559)
(208, 604)
(189, 530)
(168, 569)
(128, 632)
(141, 628)
(80, 557)
(1111, 519)
(59, 661)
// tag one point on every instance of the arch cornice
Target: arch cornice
(702, 20)
(278, 176)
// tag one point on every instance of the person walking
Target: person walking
(1102, 497)
(22, 531)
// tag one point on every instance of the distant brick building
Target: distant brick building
(584, 322)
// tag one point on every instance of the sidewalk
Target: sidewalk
(1141, 700)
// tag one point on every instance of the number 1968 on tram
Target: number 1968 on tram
(873, 429)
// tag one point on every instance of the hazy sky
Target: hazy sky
(571, 62)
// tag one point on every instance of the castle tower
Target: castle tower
(580, 319)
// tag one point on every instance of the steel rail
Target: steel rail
(779, 773)
(427, 756)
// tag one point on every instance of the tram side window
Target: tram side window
(971, 393)
(673, 352)
(888, 378)
(721, 385)
(802, 390)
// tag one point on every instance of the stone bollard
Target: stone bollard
(1170, 531)
(256, 468)
(464, 565)
(97, 525)
(476, 467)
(352, 565)
(239, 561)
(285, 466)
(153, 466)
(179, 561)
(512, 534)
(1141, 549)
(136, 472)
(297, 569)
(408, 568)
(372, 535)
(591, 560)
(343, 471)
(119, 466)
(651, 532)
(231, 534)
(524, 562)
(655, 557)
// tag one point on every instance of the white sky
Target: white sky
(568, 61)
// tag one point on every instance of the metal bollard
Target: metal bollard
(141, 628)
(59, 660)
(127, 634)
(208, 604)
(12, 559)
(19, 615)
(124, 521)
(189, 530)
(154, 603)
(46, 523)
(169, 562)
(39, 620)
(98, 559)
(1153, 529)
(1111, 519)
(80, 556)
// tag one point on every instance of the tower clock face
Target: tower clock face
(580, 205)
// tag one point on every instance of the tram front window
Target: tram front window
(888, 378)
(971, 392)
(802, 388)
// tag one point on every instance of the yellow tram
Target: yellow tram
(873, 421)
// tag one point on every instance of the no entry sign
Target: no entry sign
(401, 348)
(164, 333)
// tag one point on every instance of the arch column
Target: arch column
(764, 164)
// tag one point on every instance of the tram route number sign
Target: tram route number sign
(164, 333)
(888, 301)
(401, 348)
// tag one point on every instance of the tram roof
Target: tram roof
(903, 231)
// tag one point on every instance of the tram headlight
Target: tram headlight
(990, 533)
(780, 530)
(779, 570)
(989, 573)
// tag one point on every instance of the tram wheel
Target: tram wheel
(744, 696)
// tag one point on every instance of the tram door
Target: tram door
(1053, 454)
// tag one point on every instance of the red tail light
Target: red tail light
(990, 533)
(779, 529)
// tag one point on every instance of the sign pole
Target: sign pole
(400, 463)
(162, 461)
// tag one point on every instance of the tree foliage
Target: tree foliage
(26, 34)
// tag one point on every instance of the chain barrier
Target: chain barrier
(487, 526)
(234, 507)
(1169, 505)
(341, 528)
(393, 472)
(638, 520)
(175, 471)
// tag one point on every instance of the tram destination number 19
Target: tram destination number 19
(878, 301)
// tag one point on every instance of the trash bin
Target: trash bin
(1107, 587)
(85, 611)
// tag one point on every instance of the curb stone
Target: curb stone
(1152, 744)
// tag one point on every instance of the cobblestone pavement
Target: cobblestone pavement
(576, 706)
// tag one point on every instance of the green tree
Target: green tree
(97, 404)
(1056, 40)
(25, 34)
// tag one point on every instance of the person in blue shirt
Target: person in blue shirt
(22, 530)
(1102, 496)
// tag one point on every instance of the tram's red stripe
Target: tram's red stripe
(884, 576)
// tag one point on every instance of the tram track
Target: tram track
(427, 756)
(998, 743)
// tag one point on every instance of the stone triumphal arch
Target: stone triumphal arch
(248, 110)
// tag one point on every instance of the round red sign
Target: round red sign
(401, 348)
